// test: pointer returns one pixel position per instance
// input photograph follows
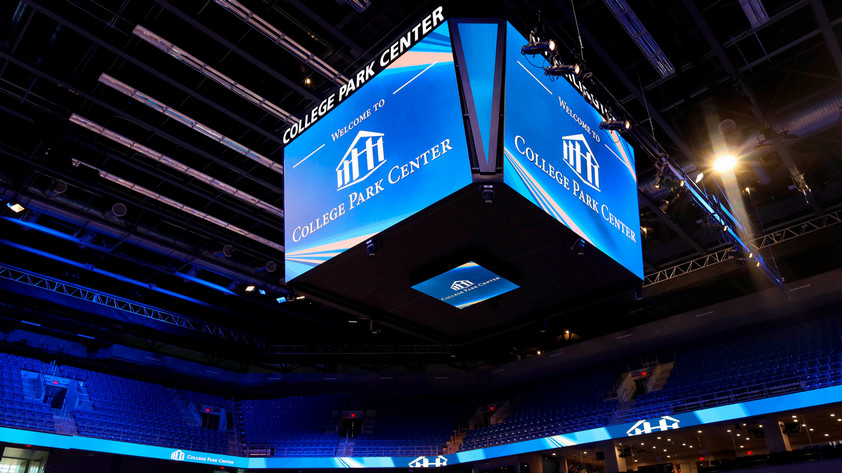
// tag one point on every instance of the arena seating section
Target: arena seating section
(797, 357)
(290, 426)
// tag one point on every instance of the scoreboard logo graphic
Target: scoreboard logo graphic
(461, 284)
(578, 155)
(465, 285)
(424, 462)
(177, 455)
(645, 427)
(348, 170)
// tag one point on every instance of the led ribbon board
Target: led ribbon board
(394, 147)
(465, 285)
(556, 156)
(664, 423)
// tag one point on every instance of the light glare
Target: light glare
(725, 162)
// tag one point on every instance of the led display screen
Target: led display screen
(394, 147)
(758, 407)
(556, 156)
(465, 285)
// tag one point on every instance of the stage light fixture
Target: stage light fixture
(370, 248)
(16, 207)
(538, 47)
(662, 171)
(562, 69)
(699, 177)
(724, 162)
(616, 125)
(250, 288)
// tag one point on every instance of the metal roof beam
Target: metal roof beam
(618, 71)
(829, 35)
(119, 52)
(756, 108)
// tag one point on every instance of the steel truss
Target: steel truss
(142, 310)
(765, 241)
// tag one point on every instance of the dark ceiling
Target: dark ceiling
(176, 253)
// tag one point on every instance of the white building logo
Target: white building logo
(366, 147)
(580, 158)
(177, 455)
(645, 427)
(424, 462)
(461, 284)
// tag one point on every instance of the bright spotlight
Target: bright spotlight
(699, 177)
(538, 47)
(15, 207)
(725, 162)
(249, 288)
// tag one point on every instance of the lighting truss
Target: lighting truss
(638, 33)
(284, 41)
(688, 267)
(104, 299)
(773, 238)
(189, 122)
(731, 226)
(212, 73)
(183, 168)
(177, 205)
(798, 229)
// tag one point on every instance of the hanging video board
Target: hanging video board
(465, 285)
(393, 148)
(556, 156)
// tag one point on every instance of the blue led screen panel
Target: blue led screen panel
(556, 156)
(394, 147)
(755, 408)
(465, 285)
